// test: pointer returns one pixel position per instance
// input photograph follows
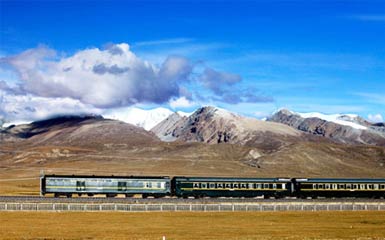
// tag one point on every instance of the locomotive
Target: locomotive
(184, 187)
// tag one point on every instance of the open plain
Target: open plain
(181, 225)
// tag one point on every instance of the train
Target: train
(214, 187)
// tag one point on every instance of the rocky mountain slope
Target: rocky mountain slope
(213, 125)
(210, 142)
(166, 129)
(340, 128)
(78, 131)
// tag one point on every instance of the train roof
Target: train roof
(104, 176)
(232, 179)
(340, 180)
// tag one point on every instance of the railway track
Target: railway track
(172, 200)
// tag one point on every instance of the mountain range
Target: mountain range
(210, 141)
(343, 128)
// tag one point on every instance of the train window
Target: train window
(355, 186)
(266, 186)
(219, 185)
(258, 186)
(327, 186)
(315, 186)
(228, 185)
(375, 186)
(341, 186)
(251, 186)
(320, 186)
(235, 185)
(274, 186)
(348, 186)
(243, 185)
(370, 186)
(279, 186)
(122, 186)
(362, 186)
(203, 185)
(211, 185)
(334, 186)
(382, 186)
(195, 185)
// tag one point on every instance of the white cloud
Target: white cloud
(39, 83)
(261, 115)
(104, 78)
(217, 81)
(375, 118)
(28, 108)
(181, 102)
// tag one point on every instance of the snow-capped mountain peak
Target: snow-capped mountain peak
(351, 120)
(184, 114)
(146, 119)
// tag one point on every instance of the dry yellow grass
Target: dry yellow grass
(238, 225)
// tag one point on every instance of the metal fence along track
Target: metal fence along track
(193, 207)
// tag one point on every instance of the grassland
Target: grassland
(238, 225)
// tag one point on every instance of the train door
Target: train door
(80, 185)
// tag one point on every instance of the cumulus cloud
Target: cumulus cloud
(236, 96)
(218, 81)
(26, 108)
(44, 83)
(375, 118)
(181, 102)
(111, 77)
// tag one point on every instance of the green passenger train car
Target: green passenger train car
(67, 185)
(231, 187)
(339, 187)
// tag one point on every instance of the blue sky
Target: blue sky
(251, 57)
